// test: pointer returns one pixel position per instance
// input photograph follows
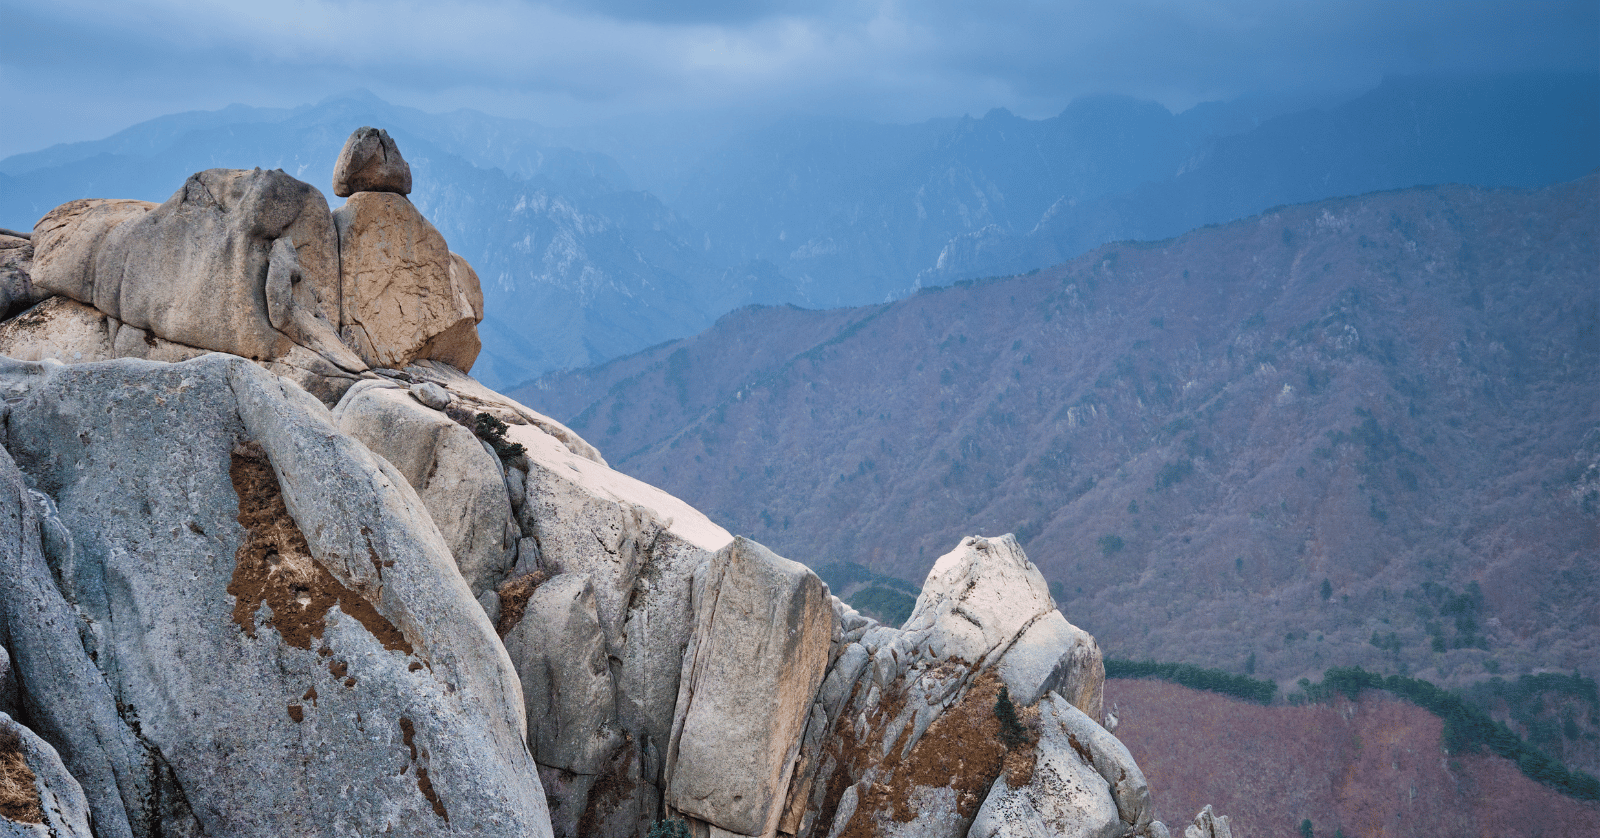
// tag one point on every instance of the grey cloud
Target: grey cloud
(77, 64)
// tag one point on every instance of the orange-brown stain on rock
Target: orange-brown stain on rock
(961, 750)
(274, 565)
(408, 732)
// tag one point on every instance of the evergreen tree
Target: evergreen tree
(1012, 733)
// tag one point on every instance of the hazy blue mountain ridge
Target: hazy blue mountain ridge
(1522, 130)
(579, 266)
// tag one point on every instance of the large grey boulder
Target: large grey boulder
(58, 808)
(370, 162)
(61, 690)
(560, 655)
(236, 261)
(1108, 755)
(758, 655)
(459, 482)
(1066, 795)
(267, 600)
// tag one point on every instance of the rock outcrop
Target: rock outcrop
(252, 263)
(432, 610)
(17, 291)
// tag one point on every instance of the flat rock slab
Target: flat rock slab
(760, 649)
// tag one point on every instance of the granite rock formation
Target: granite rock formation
(274, 564)
(252, 263)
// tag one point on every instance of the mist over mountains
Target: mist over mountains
(598, 242)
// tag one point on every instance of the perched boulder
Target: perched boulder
(759, 653)
(37, 795)
(458, 481)
(370, 162)
(430, 395)
(400, 304)
(269, 604)
(1063, 794)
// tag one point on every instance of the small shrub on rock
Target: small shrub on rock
(669, 828)
(493, 431)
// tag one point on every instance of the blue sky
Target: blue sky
(81, 69)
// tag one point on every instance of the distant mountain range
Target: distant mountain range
(585, 258)
(1363, 431)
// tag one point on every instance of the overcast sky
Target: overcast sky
(82, 69)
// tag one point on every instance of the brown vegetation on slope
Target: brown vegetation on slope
(1269, 441)
(1371, 768)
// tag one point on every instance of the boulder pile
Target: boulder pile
(275, 564)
